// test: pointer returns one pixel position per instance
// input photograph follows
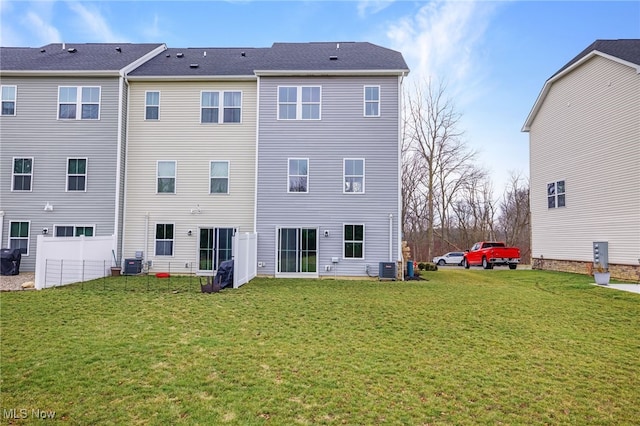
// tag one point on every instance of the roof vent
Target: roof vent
(333, 58)
(180, 55)
(72, 50)
(42, 50)
(243, 54)
(119, 49)
(193, 66)
(168, 55)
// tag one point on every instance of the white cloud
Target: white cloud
(442, 41)
(93, 25)
(366, 7)
(44, 31)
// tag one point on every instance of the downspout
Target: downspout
(255, 177)
(146, 235)
(390, 237)
(2, 228)
(118, 194)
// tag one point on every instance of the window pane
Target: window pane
(551, 202)
(232, 99)
(8, 108)
(311, 94)
(91, 95)
(77, 166)
(219, 169)
(310, 112)
(551, 188)
(153, 98)
(371, 108)
(358, 233)
(166, 185)
(209, 115)
(152, 113)
(68, 111)
(8, 93)
(64, 231)
(22, 183)
(297, 184)
(287, 112)
(166, 168)
(76, 183)
(90, 112)
(371, 93)
(348, 232)
(22, 165)
(68, 95)
(561, 200)
(210, 99)
(232, 115)
(560, 187)
(288, 94)
(164, 248)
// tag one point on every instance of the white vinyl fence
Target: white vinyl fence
(66, 260)
(245, 258)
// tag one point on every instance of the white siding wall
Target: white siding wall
(178, 135)
(588, 134)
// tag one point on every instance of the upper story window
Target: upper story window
(22, 174)
(166, 177)
(9, 100)
(231, 107)
(72, 98)
(372, 101)
(299, 102)
(19, 236)
(354, 175)
(556, 194)
(219, 177)
(77, 174)
(152, 106)
(298, 175)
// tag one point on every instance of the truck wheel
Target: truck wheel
(465, 263)
(513, 265)
(485, 264)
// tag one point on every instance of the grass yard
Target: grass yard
(464, 347)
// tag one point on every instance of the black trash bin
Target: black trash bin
(10, 261)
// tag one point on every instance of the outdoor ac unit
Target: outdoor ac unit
(387, 271)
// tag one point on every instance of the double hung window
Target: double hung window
(353, 175)
(371, 101)
(166, 177)
(354, 241)
(298, 175)
(22, 174)
(19, 236)
(231, 107)
(9, 100)
(219, 177)
(556, 194)
(74, 98)
(77, 174)
(152, 106)
(164, 239)
(299, 102)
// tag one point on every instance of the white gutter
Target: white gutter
(191, 77)
(275, 73)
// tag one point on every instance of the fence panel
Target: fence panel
(245, 258)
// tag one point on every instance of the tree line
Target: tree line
(449, 201)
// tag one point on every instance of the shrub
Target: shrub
(430, 266)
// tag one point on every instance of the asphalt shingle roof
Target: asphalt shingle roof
(625, 49)
(326, 56)
(74, 56)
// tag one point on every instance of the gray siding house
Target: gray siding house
(62, 134)
(328, 183)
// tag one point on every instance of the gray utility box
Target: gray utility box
(601, 253)
(132, 266)
(387, 271)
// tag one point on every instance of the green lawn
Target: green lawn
(464, 347)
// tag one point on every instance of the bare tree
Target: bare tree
(515, 217)
(433, 143)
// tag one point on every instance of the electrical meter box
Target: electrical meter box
(601, 253)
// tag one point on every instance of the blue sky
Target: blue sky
(494, 56)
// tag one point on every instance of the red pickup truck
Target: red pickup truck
(491, 253)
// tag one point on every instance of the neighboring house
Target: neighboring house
(62, 130)
(191, 157)
(328, 189)
(584, 132)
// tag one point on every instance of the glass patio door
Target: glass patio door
(297, 250)
(215, 246)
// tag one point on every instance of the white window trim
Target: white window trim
(9, 237)
(299, 103)
(155, 240)
(56, 226)
(344, 176)
(86, 174)
(78, 103)
(221, 107)
(279, 274)
(175, 176)
(13, 163)
(344, 241)
(555, 196)
(289, 176)
(14, 100)
(147, 105)
(364, 101)
(228, 177)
